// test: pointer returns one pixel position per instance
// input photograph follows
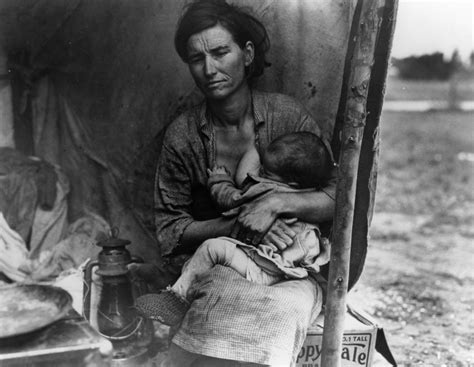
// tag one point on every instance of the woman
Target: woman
(224, 48)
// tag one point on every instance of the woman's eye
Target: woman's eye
(195, 59)
(220, 53)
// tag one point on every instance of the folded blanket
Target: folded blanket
(232, 318)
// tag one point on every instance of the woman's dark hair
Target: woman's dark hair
(203, 14)
(300, 157)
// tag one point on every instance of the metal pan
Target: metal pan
(30, 307)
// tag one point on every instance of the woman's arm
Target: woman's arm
(256, 217)
(199, 231)
(257, 221)
(176, 198)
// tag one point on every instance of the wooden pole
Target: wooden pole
(360, 67)
(6, 104)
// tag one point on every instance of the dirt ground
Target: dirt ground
(418, 281)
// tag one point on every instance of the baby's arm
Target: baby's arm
(219, 170)
(222, 188)
(224, 191)
(249, 163)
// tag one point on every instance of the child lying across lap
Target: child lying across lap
(292, 162)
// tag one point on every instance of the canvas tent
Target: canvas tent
(90, 86)
(94, 82)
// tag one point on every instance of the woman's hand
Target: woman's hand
(254, 220)
(257, 218)
(280, 235)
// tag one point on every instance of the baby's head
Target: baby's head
(299, 159)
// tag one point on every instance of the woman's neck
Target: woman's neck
(232, 111)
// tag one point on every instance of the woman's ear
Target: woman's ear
(249, 53)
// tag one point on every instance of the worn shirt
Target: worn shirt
(189, 148)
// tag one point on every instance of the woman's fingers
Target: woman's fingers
(284, 231)
(274, 242)
(234, 233)
(257, 220)
(280, 235)
(252, 224)
(283, 236)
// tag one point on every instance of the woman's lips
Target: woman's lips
(214, 84)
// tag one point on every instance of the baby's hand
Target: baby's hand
(218, 170)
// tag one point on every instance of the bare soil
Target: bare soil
(418, 281)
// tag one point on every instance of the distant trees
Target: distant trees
(428, 67)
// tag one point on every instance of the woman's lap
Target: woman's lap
(234, 319)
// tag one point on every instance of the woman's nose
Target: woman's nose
(209, 67)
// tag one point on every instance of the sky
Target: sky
(427, 26)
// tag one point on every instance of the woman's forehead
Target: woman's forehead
(209, 39)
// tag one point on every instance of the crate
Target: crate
(358, 344)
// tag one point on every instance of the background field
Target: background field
(418, 281)
(416, 90)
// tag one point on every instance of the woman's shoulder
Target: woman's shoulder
(186, 120)
(184, 125)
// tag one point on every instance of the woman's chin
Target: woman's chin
(217, 94)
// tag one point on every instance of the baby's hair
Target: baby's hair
(300, 157)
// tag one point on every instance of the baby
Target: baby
(293, 162)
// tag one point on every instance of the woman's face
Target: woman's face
(217, 63)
